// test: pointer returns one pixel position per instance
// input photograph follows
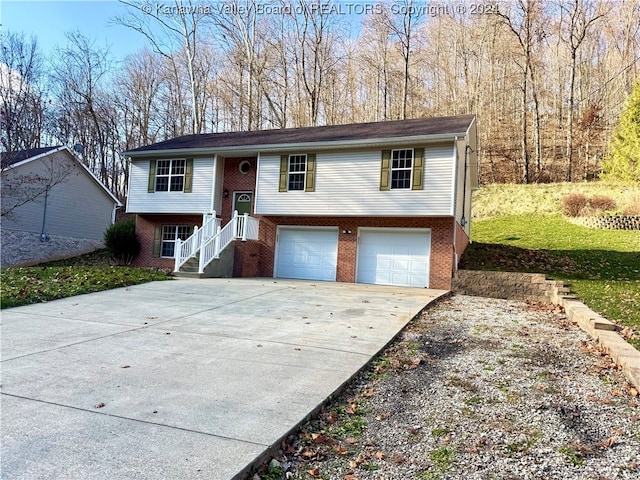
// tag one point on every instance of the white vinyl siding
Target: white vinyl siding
(348, 183)
(140, 200)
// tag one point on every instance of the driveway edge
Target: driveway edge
(269, 453)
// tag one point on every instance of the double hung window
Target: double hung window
(401, 168)
(171, 233)
(170, 175)
(297, 171)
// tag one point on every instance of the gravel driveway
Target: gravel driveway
(478, 388)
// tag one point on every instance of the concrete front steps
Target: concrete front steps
(221, 267)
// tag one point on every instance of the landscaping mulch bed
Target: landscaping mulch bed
(476, 388)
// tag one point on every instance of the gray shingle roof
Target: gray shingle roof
(9, 158)
(333, 133)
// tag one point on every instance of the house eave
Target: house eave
(254, 150)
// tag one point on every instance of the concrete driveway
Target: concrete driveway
(181, 379)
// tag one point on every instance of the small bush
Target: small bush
(632, 207)
(574, 204)
(601, 203)
(121, 241)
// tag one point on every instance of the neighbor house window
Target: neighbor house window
(171, 233)
(401, 168)
(170, 175)
(297, 171)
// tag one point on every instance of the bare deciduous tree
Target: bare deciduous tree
(22, 102)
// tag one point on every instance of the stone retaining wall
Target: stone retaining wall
(21, 248)
(536, 287)
(616, 222)
(508, 285)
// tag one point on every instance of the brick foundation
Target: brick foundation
(462, 241)
(145, 229)
(256, 258)
(442, 250)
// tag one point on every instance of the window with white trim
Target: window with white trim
(171, 233)
(401, 168)
(170, 175)
(297, 171)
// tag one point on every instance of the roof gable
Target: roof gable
(17, 159)
(436, 126)
(11, 158)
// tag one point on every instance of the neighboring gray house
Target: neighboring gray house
(52, 206)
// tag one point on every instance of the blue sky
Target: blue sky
(48, 20)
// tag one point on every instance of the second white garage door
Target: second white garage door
(394, 256)
(307, 253)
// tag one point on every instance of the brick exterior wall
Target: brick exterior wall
(234, 181)
(145, 229)
(462, 240)
(442, 259)
(256, 258)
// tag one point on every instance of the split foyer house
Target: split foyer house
(382, 203)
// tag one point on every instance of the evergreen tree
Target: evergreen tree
(623, 162)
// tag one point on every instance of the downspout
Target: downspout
(463, 220)
(113, 213)
(43, 235)
(454, 198)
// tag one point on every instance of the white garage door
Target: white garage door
(307, 253)
(394, 257)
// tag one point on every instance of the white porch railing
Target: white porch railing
(241, 227)
(185, 249)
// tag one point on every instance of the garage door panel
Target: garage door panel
(398, 257)
(309, 254)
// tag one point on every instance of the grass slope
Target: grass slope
(500, 200)
(602, 266)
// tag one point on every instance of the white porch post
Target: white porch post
(176, 255)
(216, 245)
(195, 242)
(245, 222)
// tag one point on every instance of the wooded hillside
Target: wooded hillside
(547, 79)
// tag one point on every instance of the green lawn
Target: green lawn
(85, 274)
(602, 266)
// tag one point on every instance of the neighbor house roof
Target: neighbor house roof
(17, 159)
(327, 135)
(9, 158)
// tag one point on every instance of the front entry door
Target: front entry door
(242, 202)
